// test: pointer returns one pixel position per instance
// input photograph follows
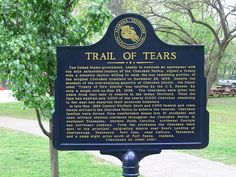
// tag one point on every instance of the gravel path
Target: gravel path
(166, 164)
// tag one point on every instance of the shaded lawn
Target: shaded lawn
(15, 110)
(222, 145)
(23, 155)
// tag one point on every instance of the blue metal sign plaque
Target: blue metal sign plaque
(130, 90)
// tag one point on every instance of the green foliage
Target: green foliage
(30, 32)
(228, 64)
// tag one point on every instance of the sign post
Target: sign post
(130, 95)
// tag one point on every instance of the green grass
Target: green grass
(16, 110)
(23, 155)
(222, 144)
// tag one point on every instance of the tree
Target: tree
(194, 22)
(30, 31)
(132, 6)
(119, 7)
(228, 64)
(116, 7)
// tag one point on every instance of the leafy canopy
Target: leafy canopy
(30, 32)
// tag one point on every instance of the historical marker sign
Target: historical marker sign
(130, 91)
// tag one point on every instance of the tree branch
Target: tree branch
(230, 13)
(210, 50)
(206, 25)
(17, 14)
(45, 132)
(169, 29)
(223, 19)
(4, 20)
(211, 4)
(90, 29)
(68, 5)
(232, 31)
(232, 37)
(181, 29)
(174, 34)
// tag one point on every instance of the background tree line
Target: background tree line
(209, 22)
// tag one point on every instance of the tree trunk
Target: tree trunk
(116, 7)
(233, 71)
(212, 75)
(53, 156)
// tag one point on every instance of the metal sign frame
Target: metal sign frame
(145, 40)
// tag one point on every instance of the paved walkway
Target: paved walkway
(166, 164)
